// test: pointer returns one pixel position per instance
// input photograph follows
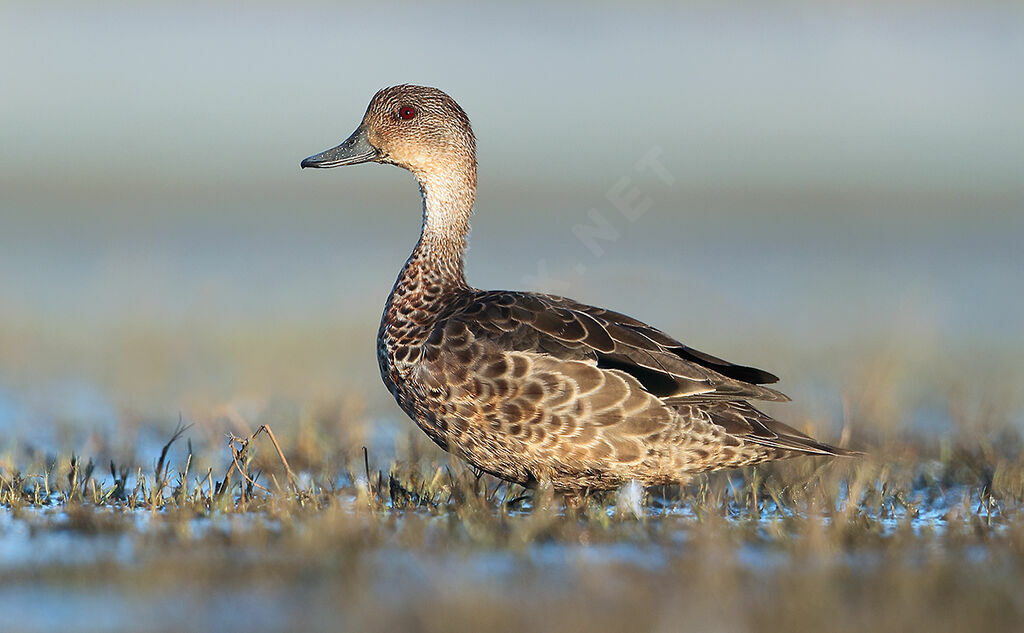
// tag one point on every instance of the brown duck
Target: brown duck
(532, 387)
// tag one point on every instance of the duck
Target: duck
(538, 389)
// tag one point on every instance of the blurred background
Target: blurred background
(840, 200)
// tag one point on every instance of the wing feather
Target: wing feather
(569, 330)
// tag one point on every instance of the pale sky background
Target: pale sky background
(839, 171)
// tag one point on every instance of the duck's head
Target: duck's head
(416, 127)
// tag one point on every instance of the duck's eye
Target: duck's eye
(407, 113)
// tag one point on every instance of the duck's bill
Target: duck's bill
(356, 149)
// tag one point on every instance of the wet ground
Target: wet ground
(357, 553)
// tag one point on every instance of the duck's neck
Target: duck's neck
(447, 204)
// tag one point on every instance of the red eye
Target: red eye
(407, 113)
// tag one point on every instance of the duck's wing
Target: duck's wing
(566, 330)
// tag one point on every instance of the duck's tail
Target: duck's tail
(743, 421)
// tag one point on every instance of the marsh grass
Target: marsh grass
(313, 524)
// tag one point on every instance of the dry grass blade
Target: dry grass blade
(162, 467)
(240, 446)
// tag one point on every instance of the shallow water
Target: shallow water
(49, 536)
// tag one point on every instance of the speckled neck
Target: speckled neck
(432, 274)
(448, 197)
